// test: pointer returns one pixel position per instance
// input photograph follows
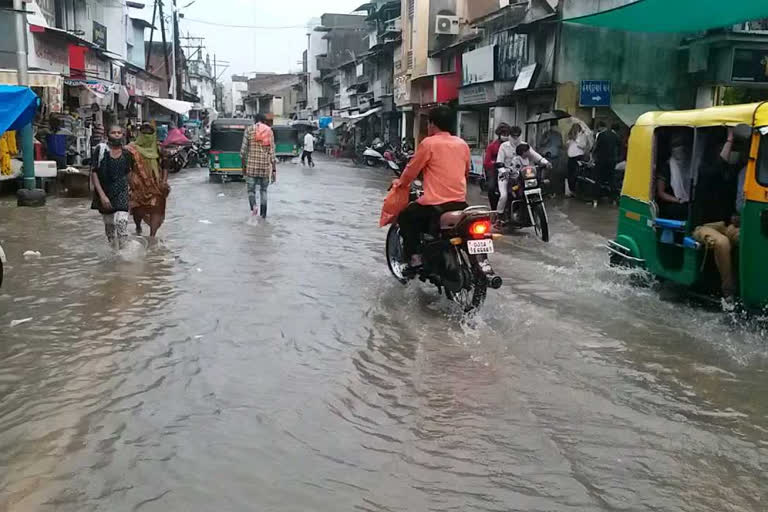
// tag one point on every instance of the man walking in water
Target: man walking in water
(309, 148)
(259, 164)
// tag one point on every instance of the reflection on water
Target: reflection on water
(241, 365)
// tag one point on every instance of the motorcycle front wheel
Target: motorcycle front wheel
(539, 220)
(471, 297)
(394, 253)
(371, 162)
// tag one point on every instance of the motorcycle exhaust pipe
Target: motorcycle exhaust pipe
(495, 282)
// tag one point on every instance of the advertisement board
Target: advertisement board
(478, 66)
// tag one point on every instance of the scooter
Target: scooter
(374, 156)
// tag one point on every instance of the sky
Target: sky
(248, 49)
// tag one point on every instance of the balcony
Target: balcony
(324, 63)
(394, 26)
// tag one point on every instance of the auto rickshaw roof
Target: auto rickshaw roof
(753, 114)
(233, 121)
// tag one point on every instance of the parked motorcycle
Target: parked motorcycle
(397, 159)
(455, 255)
(525, 206)
(192, 155)
(174, 159)
(591, 187)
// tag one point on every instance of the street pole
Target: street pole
(29, 197)
(177, 48)
(173, 52)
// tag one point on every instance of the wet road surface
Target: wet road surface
(279, 367)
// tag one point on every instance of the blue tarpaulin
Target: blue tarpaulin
(17, 107)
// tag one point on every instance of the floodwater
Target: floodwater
(277, 366)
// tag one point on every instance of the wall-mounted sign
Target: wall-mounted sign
(750, 65)
(595, 93)
(99, 35)
(478, 66)
(525, 77)
(477, 94)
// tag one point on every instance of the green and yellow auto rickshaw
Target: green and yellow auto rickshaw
(287, 144)
(224, 161)
(666, 247)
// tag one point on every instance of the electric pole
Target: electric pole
(29, 196)
(176, 50)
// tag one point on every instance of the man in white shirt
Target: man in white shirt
(309, 148)
(524, 156)
(507, 149)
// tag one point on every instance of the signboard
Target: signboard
(477, 66)
(402, 90)
(525, 77)
(99, 35)
(477, 94)
(511, 55)
(595, 93)
(750, 65)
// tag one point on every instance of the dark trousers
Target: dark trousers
(573, 170)
(492, 183)
(605, 170)
(417, 219)
(307, 155)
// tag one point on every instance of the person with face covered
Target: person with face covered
(489, 163)
(507, 151)
(110, 181)
(673, 181)
(149, 181)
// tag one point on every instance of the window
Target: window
(761, 169)
(447, 64)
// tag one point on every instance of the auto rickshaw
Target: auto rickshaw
(666, 247)
(287, 144)
(224, 161)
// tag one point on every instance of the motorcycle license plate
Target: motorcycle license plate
(480, 246)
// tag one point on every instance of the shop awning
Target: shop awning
(629, 112)
(36, 78)
(17, 107)
(675, 15)
(178, 106)
(359, 117)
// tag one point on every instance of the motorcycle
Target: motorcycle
(397, 159)
(174, 159)
(591, 187)
(525, 207)
(455, 255)
(192, 155)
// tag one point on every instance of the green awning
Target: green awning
(676, 15)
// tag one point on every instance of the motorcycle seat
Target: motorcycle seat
(449, 220)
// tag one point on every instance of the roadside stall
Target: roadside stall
(18, 106)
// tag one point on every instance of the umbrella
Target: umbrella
(546, 117)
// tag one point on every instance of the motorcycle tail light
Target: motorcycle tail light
(479, 228)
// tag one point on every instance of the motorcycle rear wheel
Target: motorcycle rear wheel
(371, 162)
(539, 220)
(471, 298)
(394, 253)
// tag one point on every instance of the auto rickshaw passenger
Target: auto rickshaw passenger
(720, 195)
(673, 180)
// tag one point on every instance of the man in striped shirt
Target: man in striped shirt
(259, 164)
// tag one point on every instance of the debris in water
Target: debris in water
(205, 221)
(32, 254)
(14, 323)
(222, 194)
(199, 269)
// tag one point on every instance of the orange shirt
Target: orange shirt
(444, 161)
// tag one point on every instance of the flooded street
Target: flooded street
(280, 367)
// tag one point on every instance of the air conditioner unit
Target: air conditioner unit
(447, 25)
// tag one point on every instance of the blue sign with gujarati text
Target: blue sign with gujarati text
(595, 93)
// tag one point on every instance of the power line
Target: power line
(258, 27)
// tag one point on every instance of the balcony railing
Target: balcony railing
(323, 63)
